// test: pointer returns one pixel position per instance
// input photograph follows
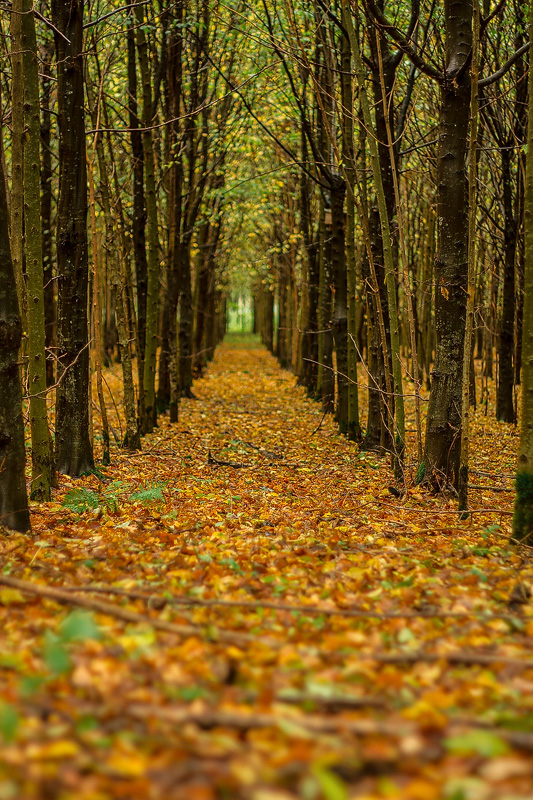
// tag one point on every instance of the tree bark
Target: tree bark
(138, 222)
(443, 431)
(148, 412)
(73, 443)
(505, 410)
(523, 511)
(17, 127)
(41, 454)
(13, 498)
(46, 213)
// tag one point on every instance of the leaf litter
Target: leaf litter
(245, 610)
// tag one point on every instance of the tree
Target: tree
(523, 511)
(74, 452)
(13, 498)
(42, 467)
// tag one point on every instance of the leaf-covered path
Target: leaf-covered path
(275, 623)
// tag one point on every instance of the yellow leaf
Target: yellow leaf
(62, 748)
(426, 714)
(234, 652)
(9, 597)
(132, 765)
(422, 790)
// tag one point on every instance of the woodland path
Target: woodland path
(370, 692)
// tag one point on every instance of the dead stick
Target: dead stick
(471, 659)
(159, 601)
(314, 723)
(245, 721)
(68, 598)
(65, 597)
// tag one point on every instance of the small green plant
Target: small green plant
(81, 500)
(151, 493)
(77, 627)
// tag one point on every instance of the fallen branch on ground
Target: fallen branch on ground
(397, 729)
(68, 598)
(160, 600)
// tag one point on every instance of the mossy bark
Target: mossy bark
(41, 452)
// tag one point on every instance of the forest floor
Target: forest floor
(279, 628)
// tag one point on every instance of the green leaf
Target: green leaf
(78, 626)
(30, 684)
(405, 635)
(55, 654)
(478, 742)
(332, 787)
(9, 722)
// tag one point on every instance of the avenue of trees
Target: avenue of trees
(361, 165)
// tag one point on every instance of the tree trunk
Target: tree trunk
(185, 323)
(523, 511)
(13, 498)
(114, 260)
(73, 443)
(139, 208)
(17, 127)
(326, 376)
(505, 411)
(339, 322)
(46, 214)
(353, 426)
(41, 453)
(443, 432)
(468, 355)
(148, 414)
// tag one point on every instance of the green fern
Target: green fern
(151, 493)
(81, 500)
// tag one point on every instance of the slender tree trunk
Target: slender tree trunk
(41, 453)
(523, 512)
(97, 322)
(505, 410)
(443, 431)
(281, 342)
(17, 127)
(353, 426)
(113, 261)
(339, 322)
(73, 443)
(152, 290)
(13, 498)
(46, 214)
(402, 232)
(472, 250)
(138, 226)
(390, 274)
(185, 322)
(327, 376)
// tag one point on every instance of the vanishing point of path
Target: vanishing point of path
(266, 621)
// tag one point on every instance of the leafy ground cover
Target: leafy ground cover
(244, 610)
